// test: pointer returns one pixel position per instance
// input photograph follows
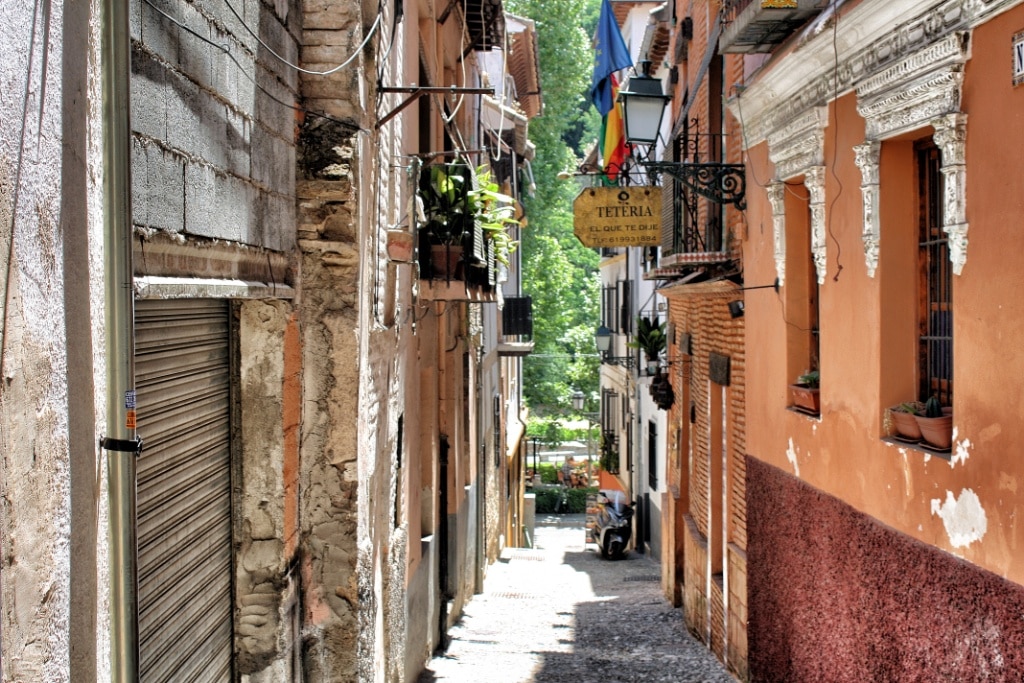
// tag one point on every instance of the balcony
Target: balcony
(516, 327)
(695, 190)
(485, 23)
(754, 26)
(455, 272)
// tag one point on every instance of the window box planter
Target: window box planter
(804, 394)
(805, 398)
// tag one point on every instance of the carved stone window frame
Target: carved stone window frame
(799, 149)
(923, 89)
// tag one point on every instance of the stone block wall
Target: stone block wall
(213, 150)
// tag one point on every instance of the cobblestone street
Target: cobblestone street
(559, 612)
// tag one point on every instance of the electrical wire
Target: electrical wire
(376, 24)
(835, 138)
(19, 165)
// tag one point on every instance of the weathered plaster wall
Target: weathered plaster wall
(385, 339)
(265, 528)
(34, 427)
(837, 596)
(350, 191)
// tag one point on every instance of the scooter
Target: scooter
(614, 524)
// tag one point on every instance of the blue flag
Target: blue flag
(611, 56)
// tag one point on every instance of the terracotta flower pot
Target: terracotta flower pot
(937, 431)
(445, 261)
(805, 397)
(905, 424)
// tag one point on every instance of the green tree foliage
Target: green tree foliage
(558, 272)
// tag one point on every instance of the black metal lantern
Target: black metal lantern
(603, 340)
(578, 401)
(643, 107)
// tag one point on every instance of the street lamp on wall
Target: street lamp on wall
(603, 340)
(643, 107)
(578, 401)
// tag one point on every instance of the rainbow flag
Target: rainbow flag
(614, 148)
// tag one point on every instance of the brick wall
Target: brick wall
(701, 311)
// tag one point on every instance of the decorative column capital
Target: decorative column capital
(866, 157)
(777, 198)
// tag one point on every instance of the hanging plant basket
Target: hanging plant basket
(661, 392)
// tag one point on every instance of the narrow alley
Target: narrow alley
(558, 612)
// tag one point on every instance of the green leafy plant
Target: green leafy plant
(650, 337)
(495, 213)
(609, 455)
(447, 209)
(548, 473)
(562, 501)
(810, 379)
(911, 407)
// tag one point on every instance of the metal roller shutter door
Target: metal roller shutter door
(184, 490)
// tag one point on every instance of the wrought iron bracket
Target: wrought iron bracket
(720, 183)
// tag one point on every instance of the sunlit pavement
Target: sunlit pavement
(558, 612)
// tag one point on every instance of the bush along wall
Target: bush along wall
(559, 500)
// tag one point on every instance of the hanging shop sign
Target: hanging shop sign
(618, 216)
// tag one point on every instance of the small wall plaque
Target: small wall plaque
(718, 369)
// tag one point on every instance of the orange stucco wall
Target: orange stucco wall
(867, 329)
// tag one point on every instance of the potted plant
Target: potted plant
(936, 424)
(650, 338)
(447, 214)
(902, 419)
(805, 392)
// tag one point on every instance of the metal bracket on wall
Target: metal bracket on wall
(720, 183)
(415, 92)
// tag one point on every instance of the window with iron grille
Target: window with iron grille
(609, 410)
(935, 346)
(610, 307)
(652, 455)
(691, 224)
(625, 308)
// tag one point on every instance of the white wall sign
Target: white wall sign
(1018, 58)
